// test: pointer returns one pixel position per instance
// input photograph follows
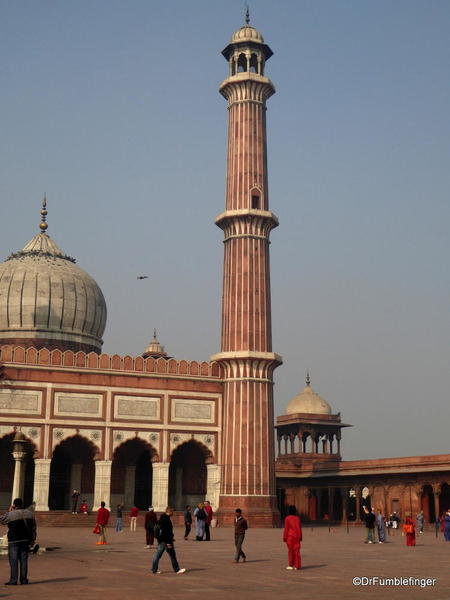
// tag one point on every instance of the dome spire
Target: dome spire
(247, 15)
(43, 224)
(308, 379)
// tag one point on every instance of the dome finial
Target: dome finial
(308, 378)
(247, 15)
(43, 224)
(154, 333)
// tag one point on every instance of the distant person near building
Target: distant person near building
(133, 518)
(149, 525)
(420, 521)
(21, 535)
(447, 526)
(410, 531)
(119, 512)
(369, 519)
(209, 515)
(292, 536)
(75, 496)
(240, 527)
(200, 520)
(381, 527)
(164, 535)
(84, 507)
(102, 522)
(187, 521)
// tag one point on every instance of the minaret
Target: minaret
(248, 463)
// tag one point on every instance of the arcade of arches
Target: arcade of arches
(342, 503)
(133, 477)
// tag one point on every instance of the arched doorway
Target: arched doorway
(337, 505)
(72, 468)
(444, 498)
(132, 474)
(7, 471)
(187, 475)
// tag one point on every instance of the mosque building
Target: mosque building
(152, 429)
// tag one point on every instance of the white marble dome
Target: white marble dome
(46, 300)
(308, 402)
(247, 33)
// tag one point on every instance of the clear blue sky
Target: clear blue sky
(112, 109)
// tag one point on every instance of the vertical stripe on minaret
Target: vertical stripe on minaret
(248, 474)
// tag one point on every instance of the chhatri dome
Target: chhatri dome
(308, 402)
(46, 300)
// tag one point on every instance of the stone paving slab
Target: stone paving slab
(79, 569)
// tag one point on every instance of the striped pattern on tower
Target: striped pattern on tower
(248, 475)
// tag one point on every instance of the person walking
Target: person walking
(21, 535)
(292, 536)
(75, 496)
(381, 527)
(149, 525)
(447, 526)
(187, 521)
(119, 511)
(166, 540)
(209, 515)
(369, 519)
(102, 522)
(240, 527)
(133, 518)
(200, 519)
(420, 521)
(409, 530)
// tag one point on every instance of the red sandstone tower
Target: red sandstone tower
(248, 476)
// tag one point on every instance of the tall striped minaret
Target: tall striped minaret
(248, 476)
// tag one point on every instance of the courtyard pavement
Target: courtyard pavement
(74, 567)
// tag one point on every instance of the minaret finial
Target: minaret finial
(154, 334)
(308, 378)
(247, 15)
(43, 224)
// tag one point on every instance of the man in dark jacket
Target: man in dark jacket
(240, 527)
(21, 534)
(369, 518)
(165, 543)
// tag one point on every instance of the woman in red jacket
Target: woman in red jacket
(292, 536)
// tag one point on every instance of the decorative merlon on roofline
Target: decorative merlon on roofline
(107, 362)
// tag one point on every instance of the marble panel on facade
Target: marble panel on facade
(137, 407)
(20, 401)
(192, 410)
(78, 404)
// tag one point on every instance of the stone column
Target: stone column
(330, 503)
(129, 488)
(436, 492)
(41, 482)
(160, 488)
(102, 489)
(213, 485)
(344, 495)
(19, 474)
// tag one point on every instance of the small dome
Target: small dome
(48, 301)
(247, 33)
(155, 349)
(308, 402)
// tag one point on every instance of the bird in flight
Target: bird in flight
(142, 277)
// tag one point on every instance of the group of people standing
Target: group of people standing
(203, 515)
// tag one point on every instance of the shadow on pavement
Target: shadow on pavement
(57, 580)
(313, 567)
